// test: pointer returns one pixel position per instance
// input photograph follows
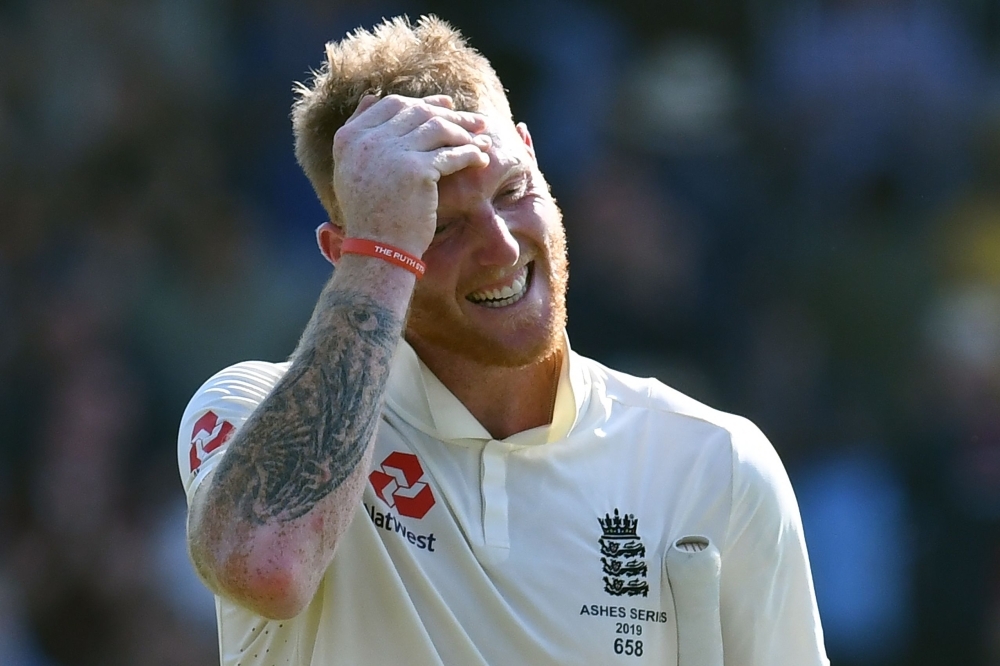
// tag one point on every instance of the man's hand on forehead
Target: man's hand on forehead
(389, 157)
(408, 114)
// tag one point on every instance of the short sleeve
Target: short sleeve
(216, 412)
(769, 612)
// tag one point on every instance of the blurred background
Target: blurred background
(788, 209)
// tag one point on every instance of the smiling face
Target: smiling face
(495, 288)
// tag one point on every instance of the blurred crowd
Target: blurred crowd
(789, 209)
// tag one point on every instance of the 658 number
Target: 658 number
(628, 646)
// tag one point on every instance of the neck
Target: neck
(505, 401)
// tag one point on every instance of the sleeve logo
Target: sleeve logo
(398, 483)
(209, 433)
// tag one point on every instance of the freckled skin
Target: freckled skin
(316, 422)
(300, 445)
(264, 524)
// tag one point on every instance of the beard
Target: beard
(537, 334)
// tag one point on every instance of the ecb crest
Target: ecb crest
(622, 556)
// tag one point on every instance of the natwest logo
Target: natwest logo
(398, 484)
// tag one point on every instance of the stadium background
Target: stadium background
(787, 209)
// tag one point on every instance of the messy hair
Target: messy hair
(396, 57)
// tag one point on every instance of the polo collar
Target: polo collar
(421, 399)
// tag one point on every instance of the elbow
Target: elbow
(260, 579)
(277, 593)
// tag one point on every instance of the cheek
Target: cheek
(447, 268)
(427, 307)
(541, 210)
(438, 282)
(550, 218)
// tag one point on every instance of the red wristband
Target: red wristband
(385, 252)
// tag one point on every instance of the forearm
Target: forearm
(270, 516)
(264, 530)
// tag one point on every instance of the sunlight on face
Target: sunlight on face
(495, 289)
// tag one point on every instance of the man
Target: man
(435, 477)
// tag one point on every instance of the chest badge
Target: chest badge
(622, 556)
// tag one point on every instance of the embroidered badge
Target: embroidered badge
(623, 556)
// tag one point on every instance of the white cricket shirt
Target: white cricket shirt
(547, 547)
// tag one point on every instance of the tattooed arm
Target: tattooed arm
(263, 525)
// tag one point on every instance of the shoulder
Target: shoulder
(246, 379)
(737, 439)
(760, 491)
(217, 410)
(653, 396)
(235, 391)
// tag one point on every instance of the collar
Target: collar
(419, 397)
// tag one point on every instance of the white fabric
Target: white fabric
(510, 564)
(694, 578)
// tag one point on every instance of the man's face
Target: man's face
(495, 287)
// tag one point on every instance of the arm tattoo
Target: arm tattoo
(311, 431)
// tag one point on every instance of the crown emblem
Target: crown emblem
(619, 526)
(622, 556)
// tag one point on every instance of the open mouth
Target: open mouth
(511, 293)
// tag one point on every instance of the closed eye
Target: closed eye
(513, 191)
(443, 225)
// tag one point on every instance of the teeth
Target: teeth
(498, 298)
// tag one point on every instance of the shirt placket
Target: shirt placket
(496, 534)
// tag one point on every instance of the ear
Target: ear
(522, 131)
(329, 237)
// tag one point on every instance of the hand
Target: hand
(389, 157)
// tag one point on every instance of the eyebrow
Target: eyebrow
(517, 169)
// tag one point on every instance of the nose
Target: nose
(497, 245)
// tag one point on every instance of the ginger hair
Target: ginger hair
(396, 57)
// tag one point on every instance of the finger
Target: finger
(471, 121)
(384, 109)
(365, 103)
(440, 100)
(439, 133)
(401, 115)
(409, 119)
(453, 159)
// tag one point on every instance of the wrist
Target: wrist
(386, 252)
